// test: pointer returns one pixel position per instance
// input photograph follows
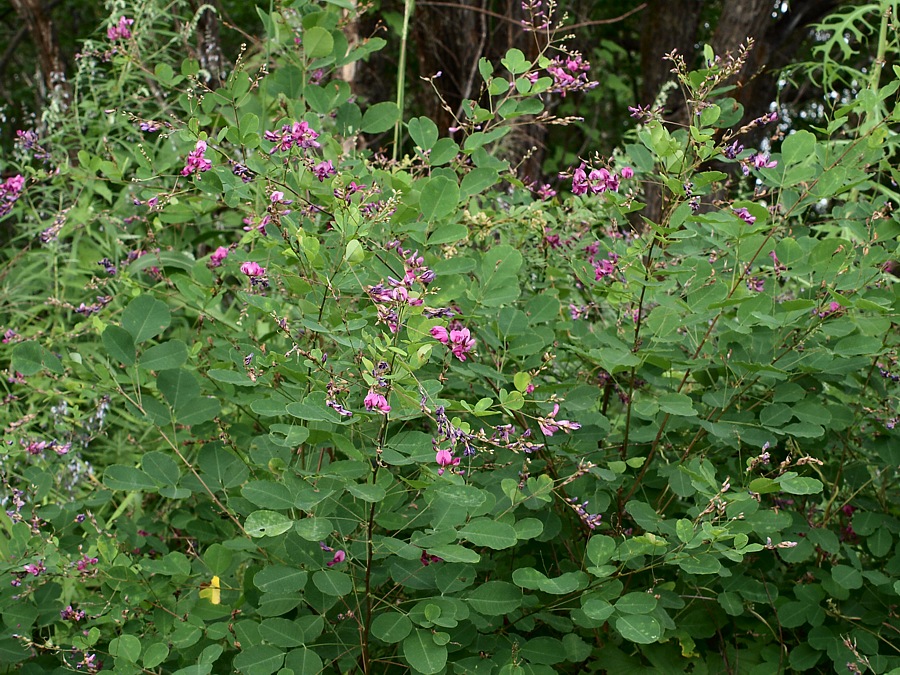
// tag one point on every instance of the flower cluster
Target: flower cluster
(71, 614)
(570, 73)
(537, 17)
(28, 142)
(459, 340)
(389, 299)
(298, 134)
(758, 161)
(598, 180)
(121, 31)
(591, 520)
(196, 162)
(550, 425)
(323, 170)
(256, 272)
(375, 400)
(10, 190)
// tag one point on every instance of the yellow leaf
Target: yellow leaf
(212, 592)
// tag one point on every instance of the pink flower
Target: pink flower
(762, 161)
(626, 172)
(462, 343)
(196, 162)
(339, 557)
(10, 190)
(550, 425)
(120, 30)
(445, 458)
(376, 401)
(252, 269)
(218, 256)
(440, 334)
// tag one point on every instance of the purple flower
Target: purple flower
(550, 425)
(744, 215)
(36, 568)
(339, 557)
(762, 161)
(323, 170)
(445, 458)
(626, 172)
(298, 134)
(733, 150)
(196, 162)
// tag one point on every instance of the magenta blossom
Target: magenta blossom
(339, 557)
(550, 425)
(10, 189)
(626, 172)
(196, 162)
(218, 257)
(462, 343)
(376, 401)
(323, 170)
(298, 134)
(440, 334)
(252, 269)
(445, 458)
(744, 215)
(120, 30)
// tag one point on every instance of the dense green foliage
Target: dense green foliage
(278, 404)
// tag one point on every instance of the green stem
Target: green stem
(408, 6)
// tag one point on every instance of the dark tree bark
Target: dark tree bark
(209, 44)
(53, 73)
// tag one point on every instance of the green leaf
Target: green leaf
(677, 404)
(222, 465)
(332, 582)
(495, 598)
(119, 345)
(232, 377)
(317, 42)
(490, 533)
(304, 661)
(179, 387)
(477, 181)
(120, 477)
(380, 117)
(799, 147)
(423, 131)
(391, 626)
(218, 559)
(161, 468)
(636, 603)
(280, 579)
(847, 577)
(267, 524)
(444, 150)
(268, 494)
(600, 549)
(422, 654)
(281, 632)
(439, 198)
(201, 410)
(125, 647)
(145, 317)
(799, 485)
(639, 628)
(258, 660)
(30, 357)
(155, 654)
(164, 356)
(313, 529)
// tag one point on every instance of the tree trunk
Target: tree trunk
(53, 74)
